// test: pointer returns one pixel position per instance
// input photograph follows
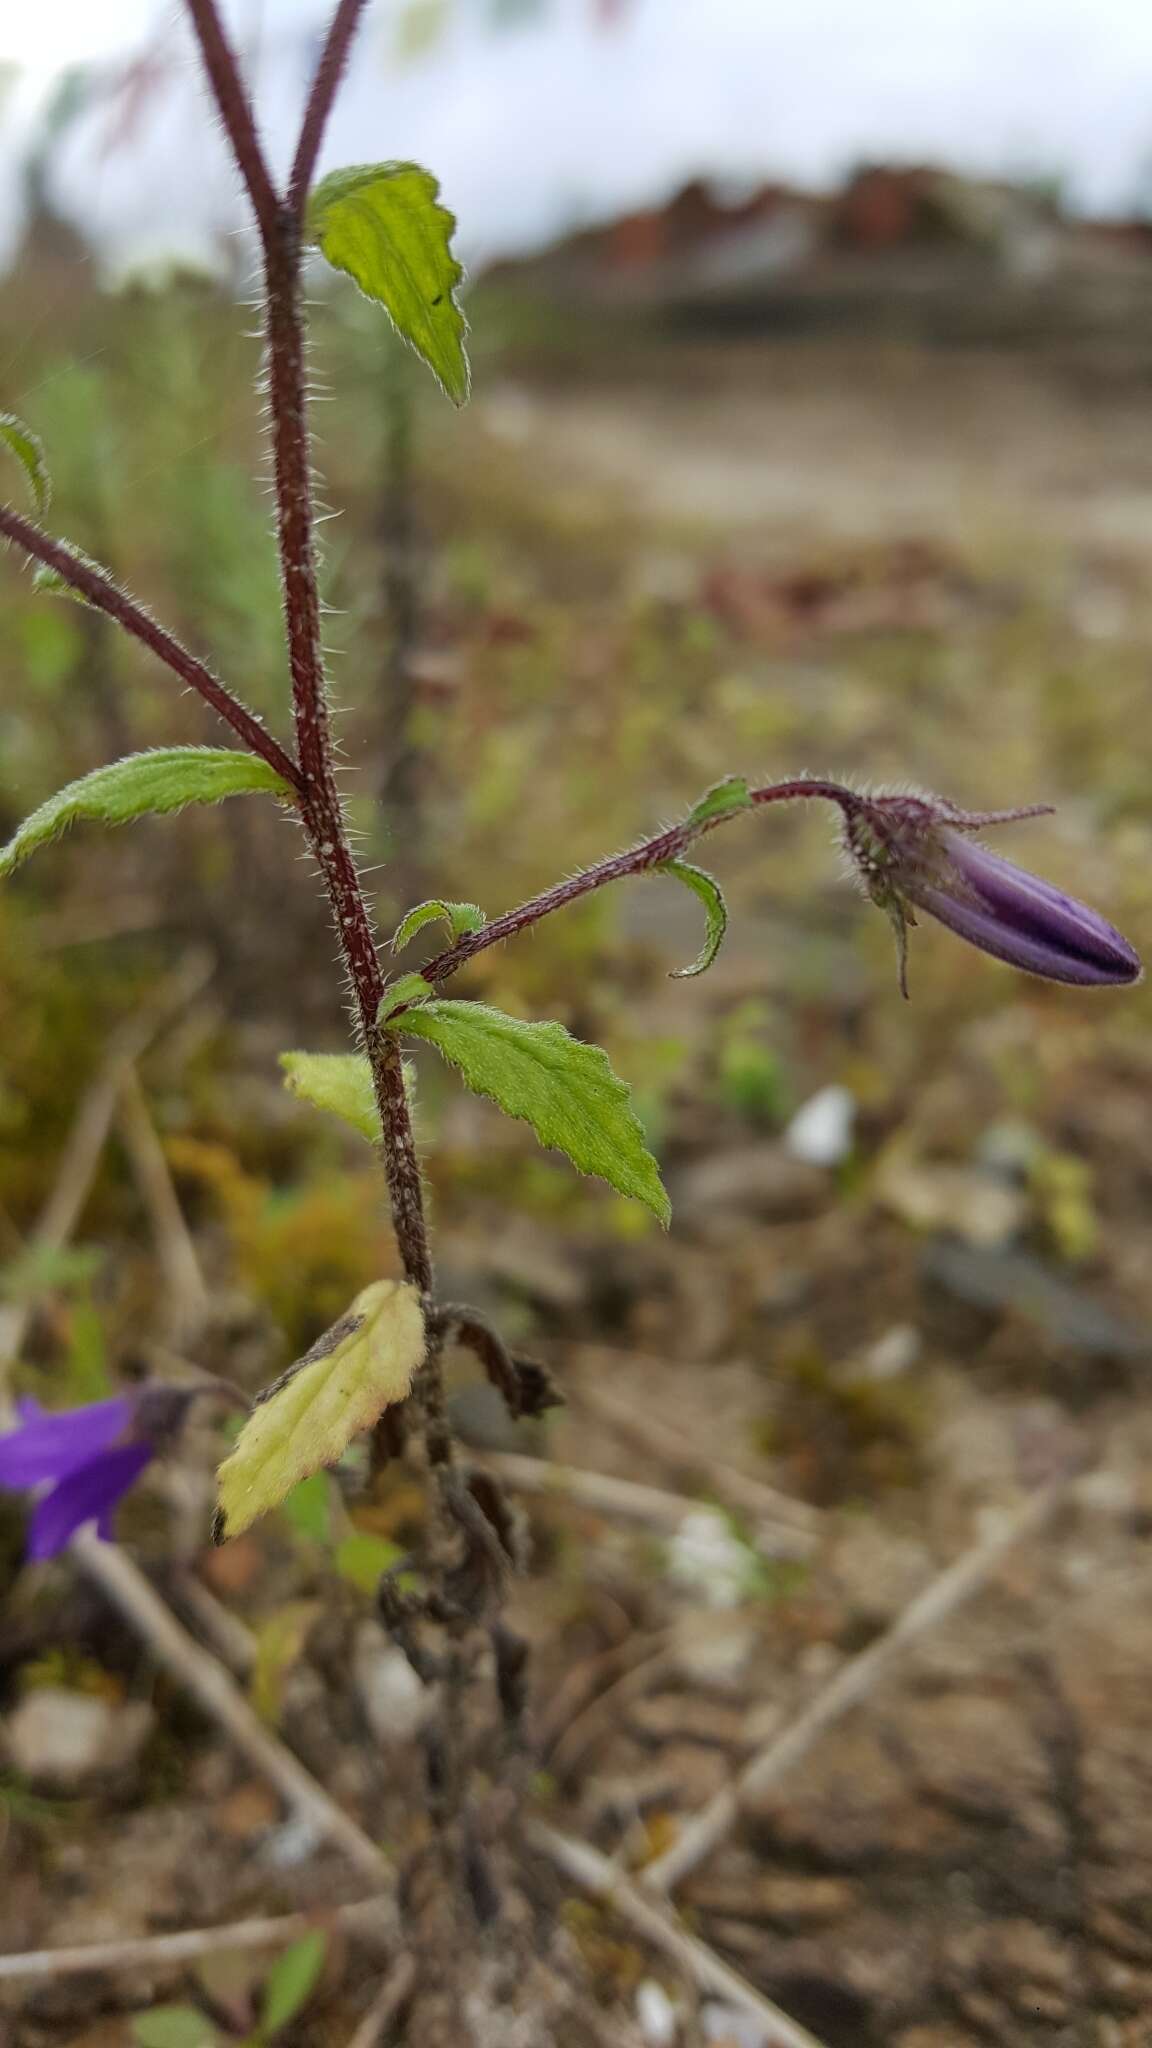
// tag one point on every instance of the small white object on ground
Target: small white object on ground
(392, 1696)
(820, 1133)
(656, 2015)
(706, 1555)
(727, 2027)
(71, 1739)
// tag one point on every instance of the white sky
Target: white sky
(532, 130)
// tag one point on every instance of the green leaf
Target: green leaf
(733, 794)
(291, 1981)
(565, 1089)
(338, 1082)
(709, 892)
(459, 918)
(173, 2026)
(28, 449)
(48, 582)
(406, 989)
(363, 1559)
(139, 786)
(309, 1416)
(49, 1269)
(280, 1642)
(309, 1509)
(421, 25)
(383, 225)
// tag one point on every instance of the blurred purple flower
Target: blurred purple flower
(915, 853)
(85, 1459)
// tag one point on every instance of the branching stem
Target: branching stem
(637, 860)
(98, 589)
(321, 808)
(325, 84)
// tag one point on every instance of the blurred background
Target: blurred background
(811, 430)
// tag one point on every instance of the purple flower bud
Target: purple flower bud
(915, 853)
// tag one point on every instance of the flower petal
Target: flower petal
(49, 1446)
(87, 1494)
(1019, 918)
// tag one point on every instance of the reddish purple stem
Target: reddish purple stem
(638, 860)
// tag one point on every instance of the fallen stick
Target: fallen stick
(188, 1299)
(386, 2004)
(607, 1495)
(85, 1142)
(667, 1440)
(600, 1877)
(200, 1673)
(164, 1951)
(852, 1684)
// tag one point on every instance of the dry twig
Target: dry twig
(124, 1584)
(606, 1495)
(852, 1684)
(386, 2004)
(577, 1738)
(582, 1684)
(86, 1139)
(167, 1951)
(186, 1290)
(594, 1873)
(663, 1438)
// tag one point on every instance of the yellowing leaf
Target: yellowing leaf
(309, 1417)
(338, 1082)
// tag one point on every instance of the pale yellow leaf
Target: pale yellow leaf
(309, 1417)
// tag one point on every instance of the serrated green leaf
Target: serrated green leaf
(48, 582)
(407, 988)
(173, 2026)
(708, 889)
(142, 785)
(565, 1089)
(291, 1981)
(309, 1417)
(383, 225)
(28, 449)
(363, 1559)
(733, 794)
(459, 918)
(339, 1083)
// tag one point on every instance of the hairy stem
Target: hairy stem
(321, 807)
(325, 84)
(637, 860)
(235, 108)
(320, 804)
(98, 589)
